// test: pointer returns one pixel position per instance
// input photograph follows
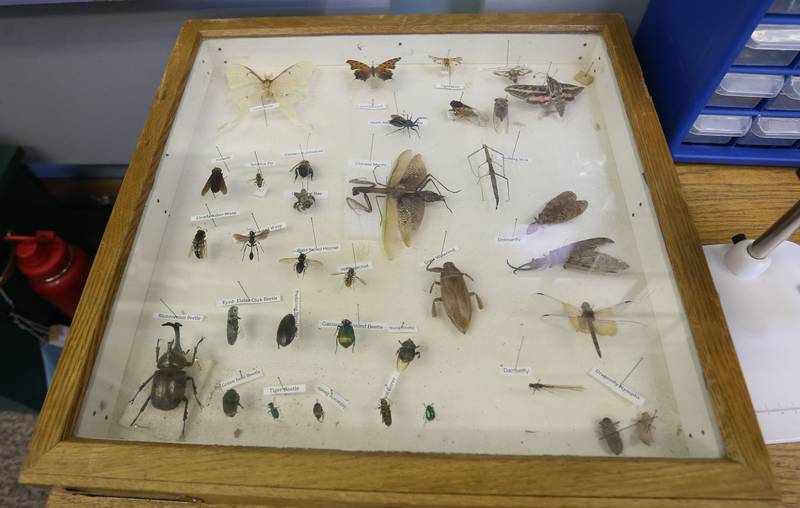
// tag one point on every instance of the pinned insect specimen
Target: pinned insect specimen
(404, 123)
(595, 322)
(430, 412)
(303, 200)
(288, 88)
(233, 324)
(215, 183)
(272, 409)
(199, 244)
(302, 169)
(644, 427)
(554, 93)
(363, 71)
(581, 256)
(562, 208)
(406, 354)
(609, 433)
(319, 412)
(301, 263)
(538, 385)
(405, 196)
(490, 160)
(513, 74)
(386, 412)
(500, 114)
(447, 63)
(455, 295)
(350, 274)
(259, 179)
(463, 112)
(345, 335)
(170, 379)
(250, 242)
(287, 330)
(230, 403)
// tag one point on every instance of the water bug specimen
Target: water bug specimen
(491, 158)
(455, 295)
(610, 434)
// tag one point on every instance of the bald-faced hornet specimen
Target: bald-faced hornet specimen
(301, 263)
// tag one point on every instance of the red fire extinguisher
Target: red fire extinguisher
(56, 270)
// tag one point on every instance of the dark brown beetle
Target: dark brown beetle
(169, 379)
(319, 412)
(455, 295)
(406, 354)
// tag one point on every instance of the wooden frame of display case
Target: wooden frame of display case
(334, 478)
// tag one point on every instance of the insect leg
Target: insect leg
(360, 279)
(194, 354)
(194, 389)
(433, 305)
(141, 388)
(435, 283)
(355, 205)
(435, 270)
(185, 415)
(477, 299)
(146, 402)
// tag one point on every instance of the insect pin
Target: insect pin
(363, 71)
(230, 403)
(272, 409)
(251, 242)
(287, 330)
(199, 244)
(405, 123)
(386, 412)
(233, 324)
(406, 354)
(319, 412)
(301, 263)
(215, 183)
(345, 335)
(455, 295)
(610, 434)
(303, 200)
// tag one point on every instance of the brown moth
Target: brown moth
(644, 427)
(363, 71)
(560, 209)
(581, 256)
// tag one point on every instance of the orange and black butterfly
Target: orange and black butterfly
(363, 71)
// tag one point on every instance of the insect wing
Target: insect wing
(360, 70)
(223, 187)
(313, 262)
(262, 235)
(288, 260)
(562, 208)
(592, 261)
(207, 186)
(400, 167)
(246, 88)
(388, 234)
(384, 70)
(241, 238)
(410, 212)
(292, 81)
(415, 173)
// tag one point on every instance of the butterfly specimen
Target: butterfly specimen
(500, 114)
(463, 112)
(560, 209)
(215, 183)
(595, 322)
(553, 93)
(447, 63)
(491, 158)
(288, 88)
(581, 256)
(513, 74)
(363, 71)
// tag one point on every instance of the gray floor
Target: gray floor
(15, 433)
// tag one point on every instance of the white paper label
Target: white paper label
(285, 389)
(316, 193)
(330, 247)
(378, 122)
(332, 323)
(401, 328)
(334, 396)
(364, 163)
(517, 158)
(296, 309)
(241, 378)
(437, 257)
(373, 106)
(215, 215)
(613, 385)
(304, 153)
(224, 158)
(178, 317)
(261, 164)
(390, 385)
(265, 107)
(260, 191)
(448, 86)
(366, 265)
(254, 300)
(511, 239)
(515, 371)
(276, 227)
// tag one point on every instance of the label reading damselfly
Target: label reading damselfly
(510, 239)
(516, 371)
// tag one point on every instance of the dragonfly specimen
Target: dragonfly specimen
(288, 88)
(595, 322)
(581, 256)
(562, 208)
(554, 93)
(405, 196)
(538, 385)
(491, 158)
(513, 74)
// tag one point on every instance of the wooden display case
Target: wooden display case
(729, 466)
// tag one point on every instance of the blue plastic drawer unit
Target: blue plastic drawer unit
(725, 78)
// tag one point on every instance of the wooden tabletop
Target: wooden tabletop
(723, 201)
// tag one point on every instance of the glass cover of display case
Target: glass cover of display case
(435, 243)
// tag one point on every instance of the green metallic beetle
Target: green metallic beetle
(345, 335)
(272, 409)
(230, 403)
(430, 412)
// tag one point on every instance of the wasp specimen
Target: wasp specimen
(553, 94)
(319, 412)
(345, 335)
(463, 112)
(215, 183)
(591, 321)
(288, 88)
(455, 295)
(404, 123)
(581, 256)
(199, 244)
(302, 169)
(272, 409)
(251, 242)
(259, 179)
(430, 412)
(287, 330)
(406, 354)
(230, 403)
(301, 263)
(538, 385)
(610, 434)
(447, 63)
(233, 324)
(500, 114)
(386, 412)
(513, 74)
(644, 427)
(405, 196)
(562, 208)
(303, 200)
(363, 71)
(350, 274)
(170, 379)
(491, 158)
